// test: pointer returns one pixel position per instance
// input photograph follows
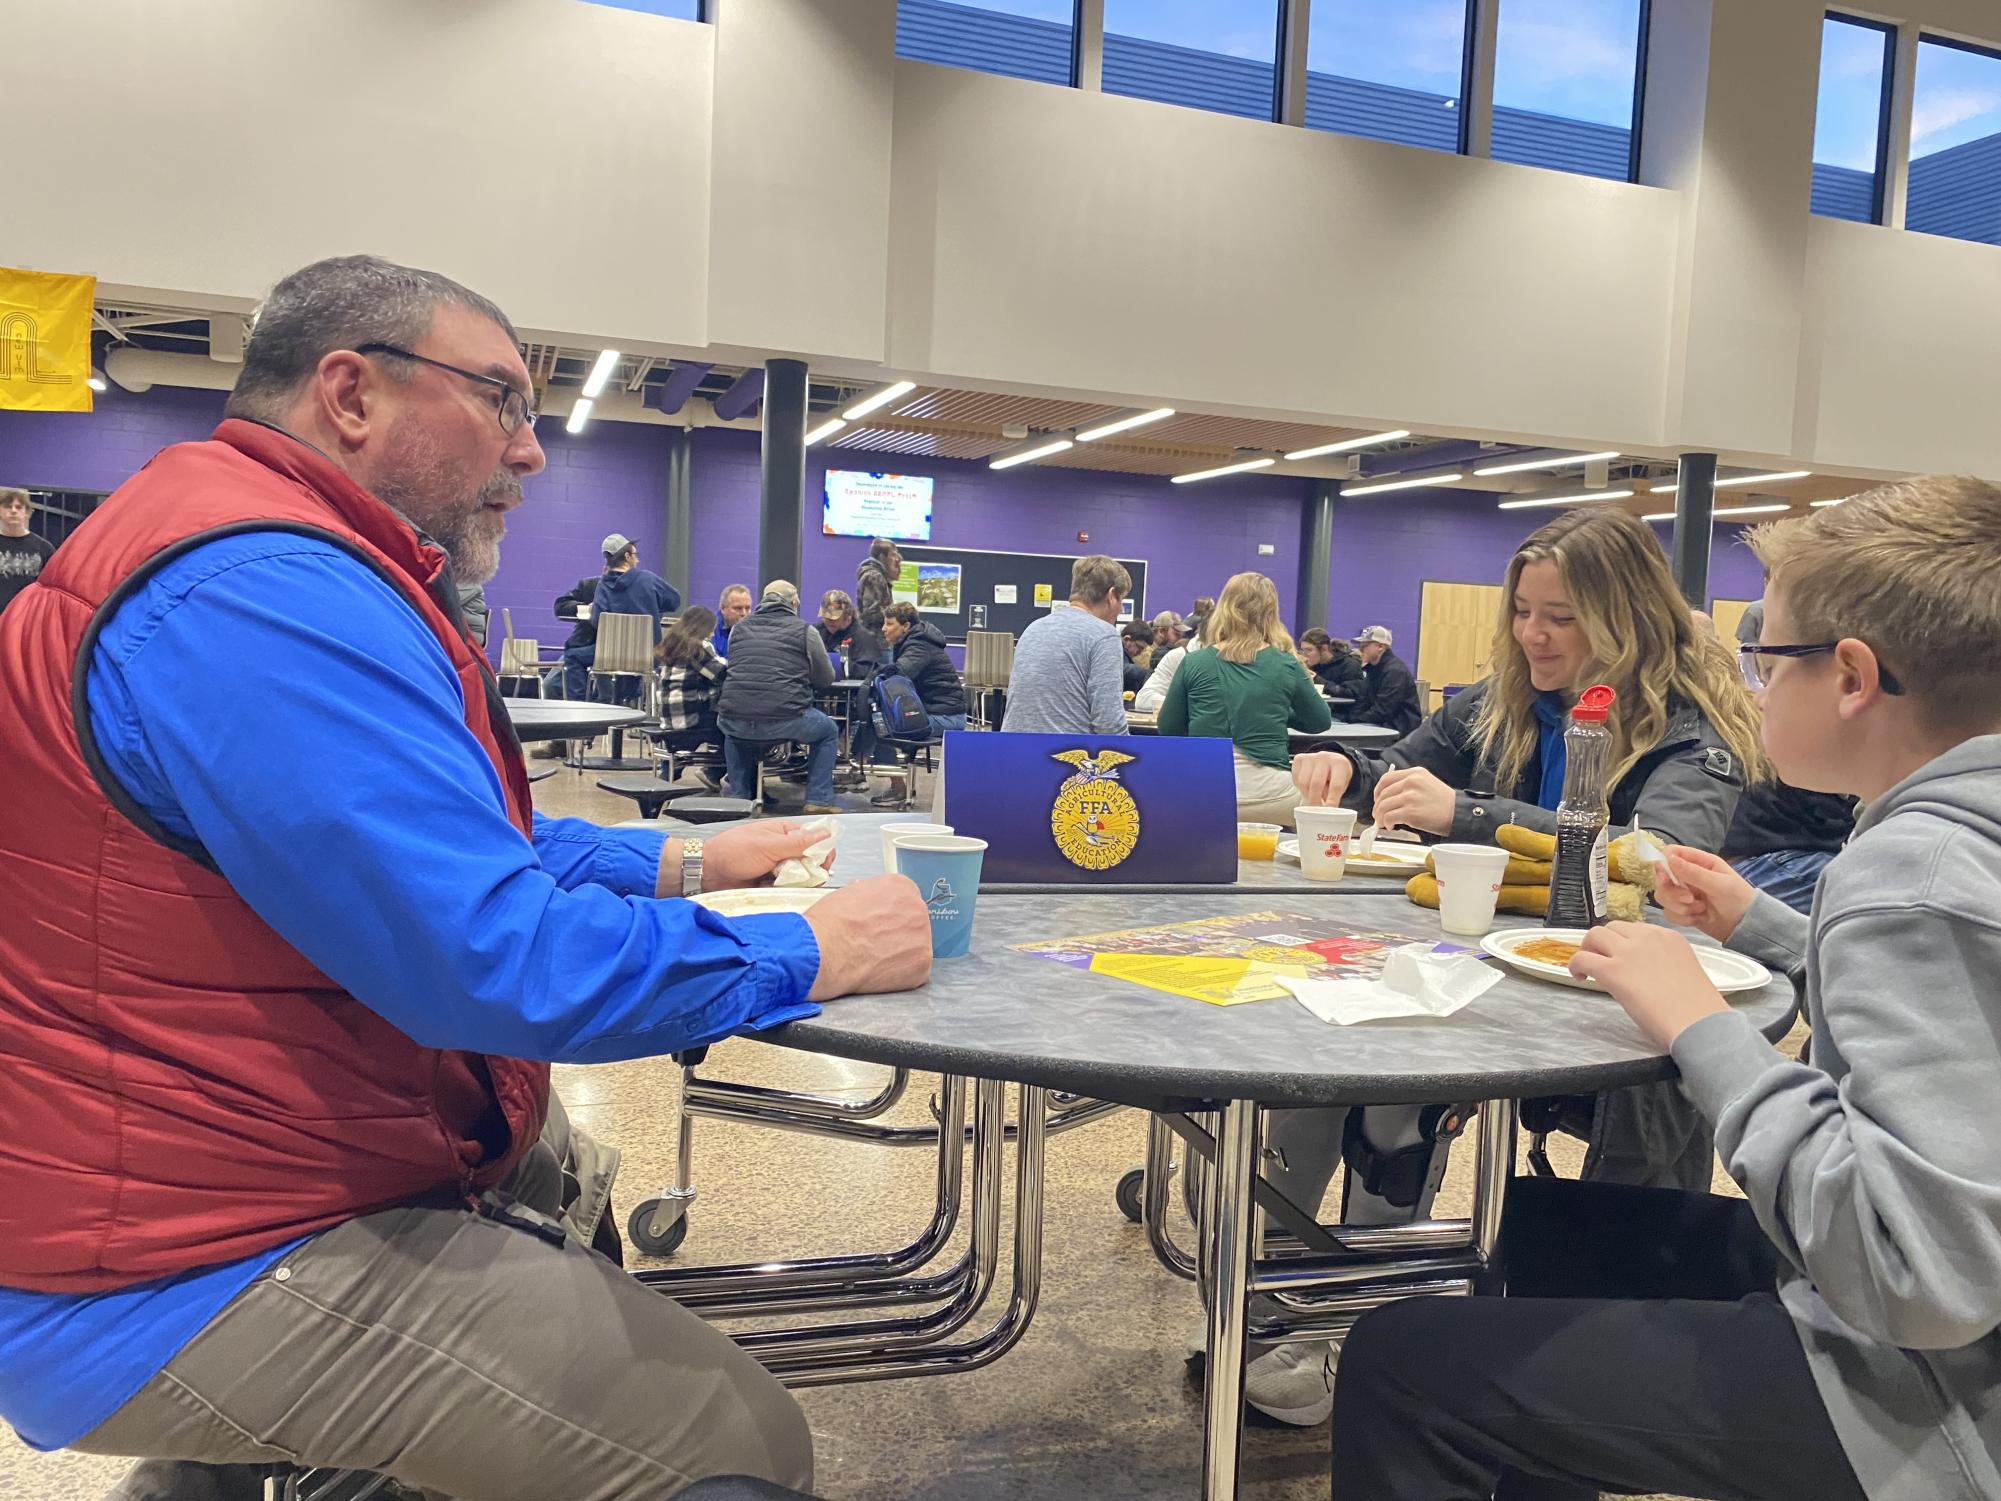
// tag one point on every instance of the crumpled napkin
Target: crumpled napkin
(812, 869)
(1416, 981)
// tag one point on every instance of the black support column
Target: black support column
(1316, 553)
(677, 563)
(1694, 523)
(782, 500)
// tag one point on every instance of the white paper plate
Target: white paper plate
(1727, 971)
(755, 901)
(1403, 860)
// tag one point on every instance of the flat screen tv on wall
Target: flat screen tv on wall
(861, 504)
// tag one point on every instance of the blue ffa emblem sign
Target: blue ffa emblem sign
(1094, 819)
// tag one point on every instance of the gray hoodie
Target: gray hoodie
(1876, 1169)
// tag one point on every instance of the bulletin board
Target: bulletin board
(985, 579)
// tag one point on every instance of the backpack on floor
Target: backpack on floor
(899, 712)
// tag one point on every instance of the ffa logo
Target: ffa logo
(1094, 819)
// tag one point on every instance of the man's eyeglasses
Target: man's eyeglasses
(512, 407)
(1757, 672)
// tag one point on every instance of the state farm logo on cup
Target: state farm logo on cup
(1324, 837)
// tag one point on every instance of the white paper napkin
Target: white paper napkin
(812, 870)
(1415, 982)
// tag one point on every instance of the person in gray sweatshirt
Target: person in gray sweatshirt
(1836, 1333)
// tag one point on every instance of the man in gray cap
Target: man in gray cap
(1389, 693)
(623, 589)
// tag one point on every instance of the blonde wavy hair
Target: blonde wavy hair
(1642, 641)
(1245, 620)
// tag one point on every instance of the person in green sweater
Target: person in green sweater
(1245, 685)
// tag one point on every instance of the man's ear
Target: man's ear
(346, 393)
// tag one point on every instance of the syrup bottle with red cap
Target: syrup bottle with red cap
(1578, 887)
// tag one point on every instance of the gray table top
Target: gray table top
(1001, 1013)
(858, 854)
(1337, 733)
(559, 719)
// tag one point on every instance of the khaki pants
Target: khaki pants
(464, 1357)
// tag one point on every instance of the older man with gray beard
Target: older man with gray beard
(274, 1043)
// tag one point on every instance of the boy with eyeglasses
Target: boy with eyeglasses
(1837, 1333)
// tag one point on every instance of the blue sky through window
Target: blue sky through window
(1574, 58)
(1958, 98)
(1062, 12)
(1849, 115)
(687, 10)
(1238, 28)
(1414, 44)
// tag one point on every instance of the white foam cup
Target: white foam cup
(1469, 884)
(1325, 837)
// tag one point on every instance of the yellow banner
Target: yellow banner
(45, 341)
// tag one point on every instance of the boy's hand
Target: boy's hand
(1651, 972)
(1322, 778)
(1712, 897)
(1414, 798)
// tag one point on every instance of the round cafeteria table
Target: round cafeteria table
(1001, 1014)
(1368, 736)
(565, 719)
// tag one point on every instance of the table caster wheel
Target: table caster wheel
(1132, 1184)
(639, 1230)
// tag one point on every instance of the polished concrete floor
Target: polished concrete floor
(1095, 1401)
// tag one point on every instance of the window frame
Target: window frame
(1281, 16)
(1470, 13)
(1886, 106)
(1990, 51)
(1488, 13)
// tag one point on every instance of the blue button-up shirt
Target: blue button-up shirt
(271, 697)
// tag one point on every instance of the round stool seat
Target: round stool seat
(713, 809)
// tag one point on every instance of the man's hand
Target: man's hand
(1322, 778)
(1412, 798)
(1712, 897)
(874, 936)
(747, 855)
(1653, 973)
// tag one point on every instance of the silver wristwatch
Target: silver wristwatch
(691, 867)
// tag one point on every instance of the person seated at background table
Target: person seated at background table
(1782, 838)
(917, 652)
(1068, 675)
(624, 588)
(691, 675)
(1166, 664)
(1387, 694)
(1834, 1334)
(22, 553)
(266, 1041)
(1335, 668)
(1246, 686)
(1588, 599)
(852, 650)
(1199, 612)
(1168, 633)
(731, 606)
(1136, 641)
(777, 664)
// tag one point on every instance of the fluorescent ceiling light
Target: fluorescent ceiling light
(607, 362)
(1345, 444)
(881, 398)
(826, 429)
(1241, 467)
(1743, 479)
(1562, 500)
(579, 415)
(1404, 484)
(1817, 504)
(1028, 455)
(1123, 424)
(1727, 511)
(1556, 463)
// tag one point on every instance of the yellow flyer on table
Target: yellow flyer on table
(1220, 982)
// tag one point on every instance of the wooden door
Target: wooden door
(1726, 613)
(1455, 633)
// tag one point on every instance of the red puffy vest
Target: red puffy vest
(179, 1087)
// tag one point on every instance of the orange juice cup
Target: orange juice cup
(1257, 841)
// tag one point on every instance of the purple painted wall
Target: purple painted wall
(613, 478)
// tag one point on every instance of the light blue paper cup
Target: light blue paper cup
(946, 868)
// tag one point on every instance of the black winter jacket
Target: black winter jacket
(921, 657)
